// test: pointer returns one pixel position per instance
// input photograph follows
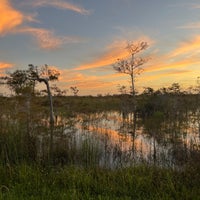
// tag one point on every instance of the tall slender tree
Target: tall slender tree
(133, 64)
(133, 67)
(46, 74)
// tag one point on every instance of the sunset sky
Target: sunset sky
(83, 38)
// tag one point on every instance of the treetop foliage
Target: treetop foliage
(132, 65)
(24, 81)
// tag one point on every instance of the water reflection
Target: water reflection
(108, 139)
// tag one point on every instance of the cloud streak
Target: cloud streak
(91, 84)
(113, 52)
(193, 25)
(179, 64)
(47, 39)
(184, 56)
(12, 21)
(189, 47)
(61, 5)
(165, 64)
(4, 66)
(10, 18)
(116, 50)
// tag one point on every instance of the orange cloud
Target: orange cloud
(183, 57)
(177, 72)
(114, 51)
(164, 74)
(189, 47)
(91, 84)
(71, 76)
(109, 83)
(4, 66)
(62, 5)
(166, 64)
(166, 70)
(46, 39)
(165, 78)
(179, 65)
(160, 71)
(10, 18)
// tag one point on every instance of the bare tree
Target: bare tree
(74, 90)
(132, 65)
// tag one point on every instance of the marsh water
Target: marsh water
(112, 139)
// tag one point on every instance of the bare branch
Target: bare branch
(134, 48)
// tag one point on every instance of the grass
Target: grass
(22, 181)
(26, 182)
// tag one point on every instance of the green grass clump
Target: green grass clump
(141, 182)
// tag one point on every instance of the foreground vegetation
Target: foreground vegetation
(28, 170)
(33, 182)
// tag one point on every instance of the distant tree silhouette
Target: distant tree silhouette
(19, 82)
(132, 65)
(74, 90)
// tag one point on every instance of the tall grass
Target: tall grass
(141, 182)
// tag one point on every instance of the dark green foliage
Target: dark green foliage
(142, 182)
(20, 82)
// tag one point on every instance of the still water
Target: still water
(110, 139)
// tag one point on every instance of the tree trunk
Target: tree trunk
(51, 121)
(51, 115)
(50, 103)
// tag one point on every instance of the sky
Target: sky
(84, 38)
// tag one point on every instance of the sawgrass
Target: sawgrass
(140, 182)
